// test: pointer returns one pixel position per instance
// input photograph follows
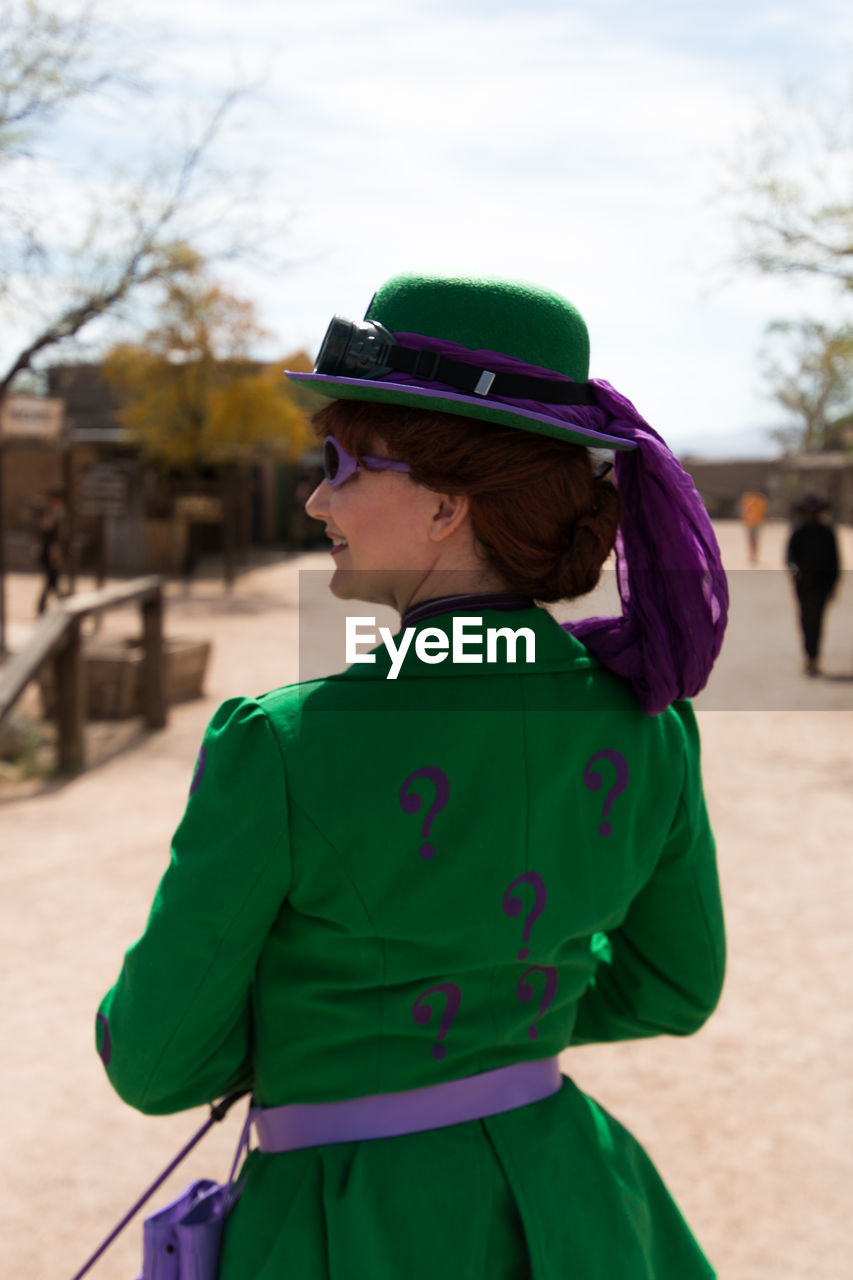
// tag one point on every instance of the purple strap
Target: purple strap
(669, 570)
(388, 1115)
(218, 1111)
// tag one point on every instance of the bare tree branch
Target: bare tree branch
(808, 367)
(153, 224)
(47, 60)
(791, 183)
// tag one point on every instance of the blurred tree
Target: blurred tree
(77, 246)
(59, 269)
(791, 179)
(47, 59)
(812, 378)
(191, 394)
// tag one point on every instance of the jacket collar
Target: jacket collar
(503, 600)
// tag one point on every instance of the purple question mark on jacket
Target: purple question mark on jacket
(411, 801)
(594, 780)
(199, 771)
(524, 990)
(422, 1012)
(513, 905)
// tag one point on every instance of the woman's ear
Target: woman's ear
(451, 511)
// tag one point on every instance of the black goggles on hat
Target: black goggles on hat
(366, 349)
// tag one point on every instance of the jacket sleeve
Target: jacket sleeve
(662, 969)
(175, 1031)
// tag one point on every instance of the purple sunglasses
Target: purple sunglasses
(338, 465)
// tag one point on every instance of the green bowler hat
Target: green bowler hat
(520, 322)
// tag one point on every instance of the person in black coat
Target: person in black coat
(50, 534)
(812, 558)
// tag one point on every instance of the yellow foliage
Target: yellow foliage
(257, 409)
(191, 396)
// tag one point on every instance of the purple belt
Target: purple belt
(387, 1115)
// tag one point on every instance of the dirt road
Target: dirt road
(749, 1121)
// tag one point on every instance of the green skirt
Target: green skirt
(558, 1190)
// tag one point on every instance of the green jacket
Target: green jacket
(299, 934)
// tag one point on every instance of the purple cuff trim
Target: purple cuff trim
(503, 600)
(388, 1115)
(105, 1052)
(596, 438)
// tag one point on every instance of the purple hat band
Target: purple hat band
(597, 439)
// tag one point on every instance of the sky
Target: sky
(582, 146)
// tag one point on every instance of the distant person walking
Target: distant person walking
(753, 512)
(812, 558)
(50, 548)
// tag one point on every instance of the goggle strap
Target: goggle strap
(432, 367)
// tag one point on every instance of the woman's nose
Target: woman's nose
(317, 504)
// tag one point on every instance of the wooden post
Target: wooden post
(154, 663)
(3, 650)
(245, 479)
(229, 527)
(69, 483)
(71, 701)
(101, 550)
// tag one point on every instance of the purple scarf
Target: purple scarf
(670, 575)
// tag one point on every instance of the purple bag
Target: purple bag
(183, 1240)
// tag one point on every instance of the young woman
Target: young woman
(398, 893)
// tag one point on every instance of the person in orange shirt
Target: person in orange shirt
(753, 512)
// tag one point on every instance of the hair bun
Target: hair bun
(586, 544)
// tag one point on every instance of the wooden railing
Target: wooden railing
(58, 637)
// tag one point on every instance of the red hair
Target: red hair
(542, 519)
